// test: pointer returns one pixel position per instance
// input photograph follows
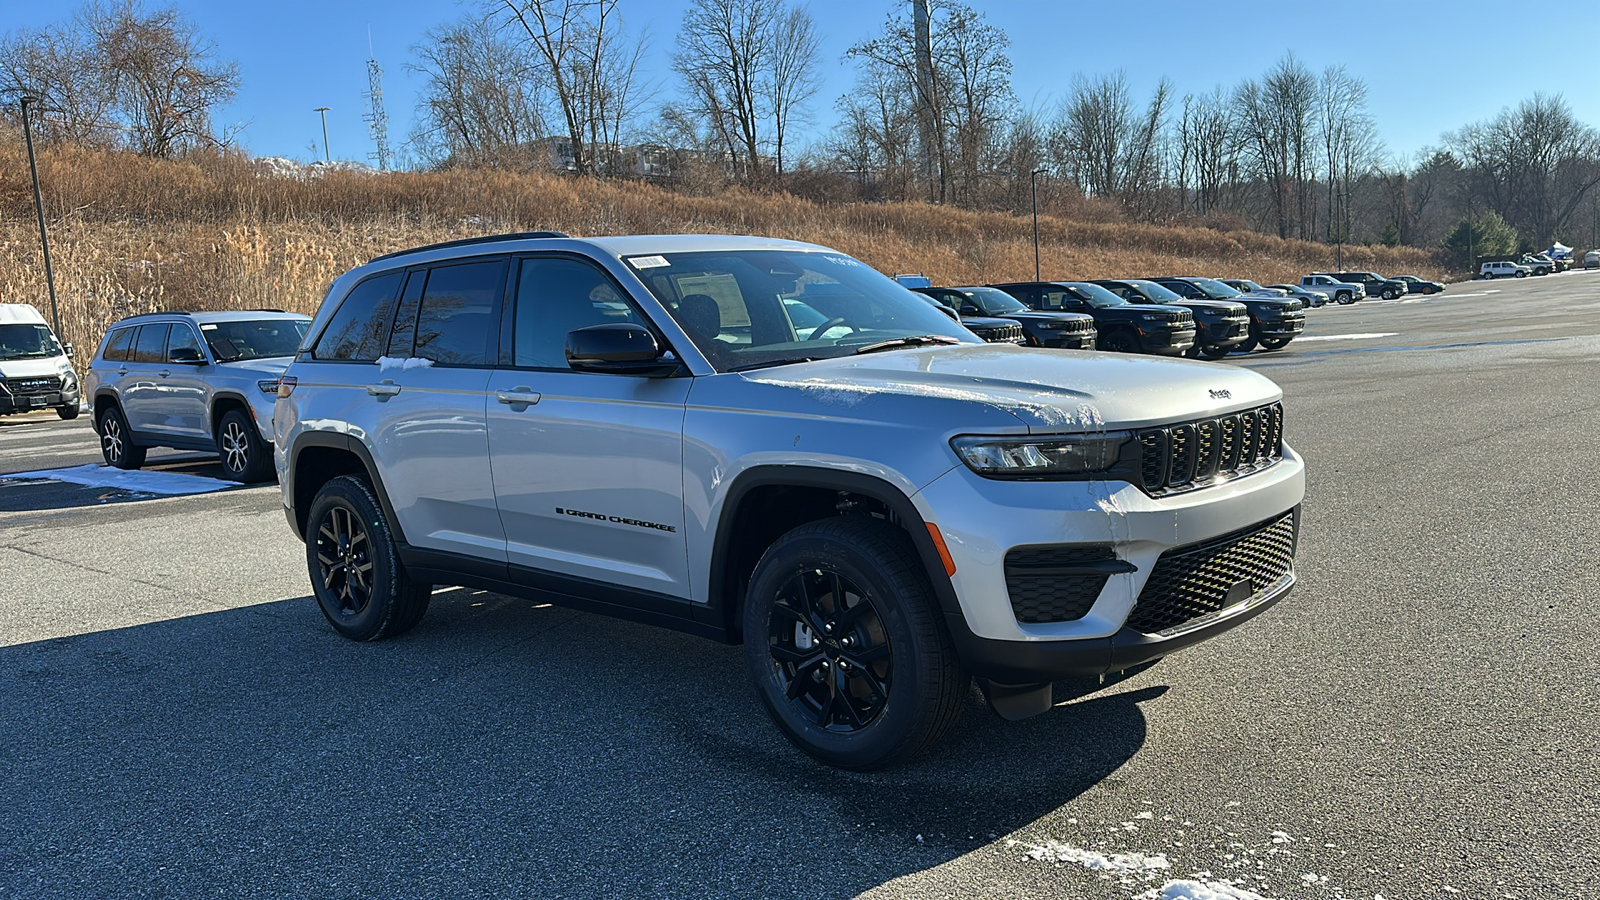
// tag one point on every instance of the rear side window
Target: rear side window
(151, 345)
(457, 307)
(359, 329)
(119, 345)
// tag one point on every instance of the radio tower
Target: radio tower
(377, 120)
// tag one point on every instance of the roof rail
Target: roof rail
(165, 312)
(488, 238)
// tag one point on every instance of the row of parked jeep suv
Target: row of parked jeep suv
(1196, 317)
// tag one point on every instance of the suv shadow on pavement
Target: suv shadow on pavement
(502, 748)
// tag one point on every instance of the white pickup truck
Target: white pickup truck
(1341, 291)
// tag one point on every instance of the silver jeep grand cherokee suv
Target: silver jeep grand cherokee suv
(879, 506)
(193, 381)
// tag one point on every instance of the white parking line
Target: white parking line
(1345, 337)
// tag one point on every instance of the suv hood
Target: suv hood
(1215, 307)
(1048, 390)
(32, 367)
(270, 365)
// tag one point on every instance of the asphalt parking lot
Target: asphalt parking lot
(1417, 720)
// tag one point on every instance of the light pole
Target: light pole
(1033, 187)
(327, 157)
(38, 206)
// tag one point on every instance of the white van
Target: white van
(34, 372)
(1591, 260)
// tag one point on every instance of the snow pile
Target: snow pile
(133, 481)
(1057, 852)
(385, 363)
(283, 167)
(1199, 890)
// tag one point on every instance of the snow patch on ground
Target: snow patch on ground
(283, 167)
(1186, 889)
(135, 481)
(1057, 852)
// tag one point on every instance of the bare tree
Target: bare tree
(589, 65)
(1350, 146)
(793, 79)
(167, 78)
(1275, 117)
(1207, 150)
(1534, 164)
(724, 46)
(480, 104)
(1107, 145)
(59, 65)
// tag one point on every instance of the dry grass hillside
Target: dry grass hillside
(130, 234)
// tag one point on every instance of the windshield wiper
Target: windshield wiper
(912, 341)
(773, 362)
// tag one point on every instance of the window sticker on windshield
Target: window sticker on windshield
(208, 328)
(841, 260)
(648, 262)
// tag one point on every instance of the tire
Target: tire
(1119, 342)
(1488, 276)
(245, 456)
(1248, 344)
(908, 685)
(356, 573)
(1344, 298)
(1275, 343)
(68, 412)
(116, 440)
(1215, 351)
(1391, 294)
(1521, 274)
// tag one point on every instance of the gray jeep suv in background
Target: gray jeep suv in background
(769, 443)
(193, 381)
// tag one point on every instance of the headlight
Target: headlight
(1054, 326)
(1077, 454)
(1150, 318)
(268, 387)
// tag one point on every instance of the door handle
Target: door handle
(518, 396)
(384, 390)
(164, 373)
(123, 370)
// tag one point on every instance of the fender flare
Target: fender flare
(336, 441)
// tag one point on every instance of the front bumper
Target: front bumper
(1223, 334)
(1167, 341)
(18, 399)
(1284, 327)
(982, 520)
(1079, 340)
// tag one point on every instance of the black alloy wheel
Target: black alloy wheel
(1119, 342)
(1391, 294)
(831, 650)
(846, 645)
(355, 567)
(245, 456)
(116, 442)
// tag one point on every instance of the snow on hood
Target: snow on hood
(1048, 390)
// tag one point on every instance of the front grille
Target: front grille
(1193, 582)
(1078, 326)
(1055, 584)
(1004, 334)
(1199, 454)
(20, 387)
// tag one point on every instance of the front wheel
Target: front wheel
(844, 641)
(1488, 276)
(1275, 343)
(1119, 342)
(1522, 274)
(245, 456)
(356, 573)
(69, 412)
(1345, 298)
(1215, 351)
(1391, 294)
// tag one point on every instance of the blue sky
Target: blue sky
(1439, 67)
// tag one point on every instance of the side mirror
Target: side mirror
(618, 348)
(948, 311)
(67, 349)
(187, 355)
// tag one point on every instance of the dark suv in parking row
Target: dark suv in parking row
(1124, 327)
(978, 306)
(1274, 321)
(1220, 325)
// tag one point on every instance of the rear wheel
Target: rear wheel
(116, 441)
(844, 641)
(356, 573)
(245, 456)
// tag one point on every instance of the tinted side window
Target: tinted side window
(1056, 298)
(119, 344)
(555, 296)
(457, 307)
(182, 336)
(151, 345)
(405, 321)
(361, 324)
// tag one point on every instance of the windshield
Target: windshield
(27, 342)
(746, 309)
(1155, 293)
(1214, 289)
(993, 301)
(1095, 295)
(254, 338)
